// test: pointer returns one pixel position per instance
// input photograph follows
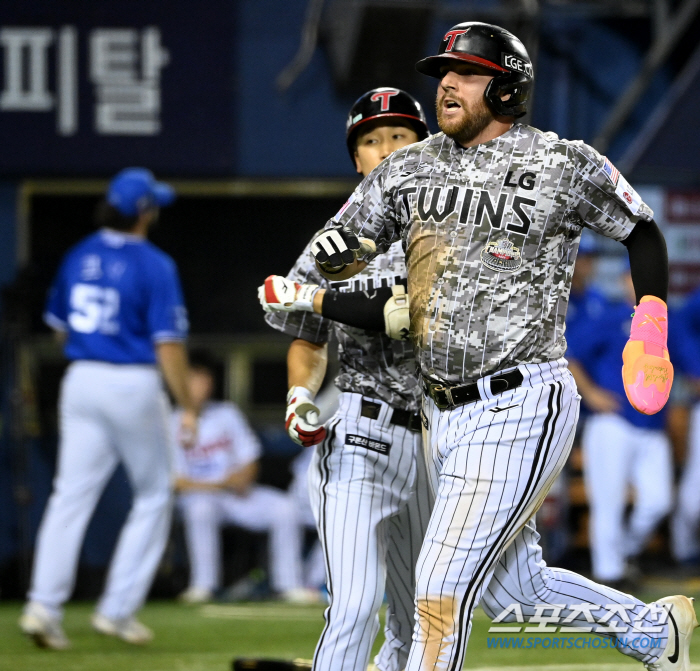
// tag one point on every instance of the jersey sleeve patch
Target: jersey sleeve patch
(612, 173)
(628, 195)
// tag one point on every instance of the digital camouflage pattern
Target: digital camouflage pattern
(491, 234)
(371, 363)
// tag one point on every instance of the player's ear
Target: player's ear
(358, 166)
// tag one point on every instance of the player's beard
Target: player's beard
(473, 120)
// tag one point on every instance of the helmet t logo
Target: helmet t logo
(384, 97)
(452, 35)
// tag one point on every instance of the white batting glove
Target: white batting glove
(278, 294)
(397, 321)
(301, 420)
(337, 247)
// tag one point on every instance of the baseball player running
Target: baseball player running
(117, 303)
(216, 484)
(490, 213)
(367, 487)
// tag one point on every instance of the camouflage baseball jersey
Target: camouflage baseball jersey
(371, 363)
(491, 233)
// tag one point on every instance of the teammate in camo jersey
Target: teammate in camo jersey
(490, 213)
(371, 363)
(367, 479)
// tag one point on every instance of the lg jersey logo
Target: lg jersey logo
(515, 63)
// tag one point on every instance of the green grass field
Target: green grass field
(207, 638)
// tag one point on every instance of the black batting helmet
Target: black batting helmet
(491, 47)
(384, 102)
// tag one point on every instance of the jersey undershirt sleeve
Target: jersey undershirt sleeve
(648, 260)
(361, 309)
(167, 315)
(603, 198)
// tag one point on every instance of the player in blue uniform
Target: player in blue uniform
(685, 543)
(585, 300)
(621, 446)
(117, 304)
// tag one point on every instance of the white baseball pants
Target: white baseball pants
(492, 463)
(108, 414)
(617, 454)
(686, 519)
(370, 496)
(314, 565)
(261, 509)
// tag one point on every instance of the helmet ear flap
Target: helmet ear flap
(514, 84)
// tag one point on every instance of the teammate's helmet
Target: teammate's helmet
(384, 102)
(492, 47)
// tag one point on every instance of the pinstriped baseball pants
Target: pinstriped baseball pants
(372, 503)
(491, 464)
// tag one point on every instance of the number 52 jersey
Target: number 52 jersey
(116, 295)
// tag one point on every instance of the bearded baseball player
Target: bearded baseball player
(117, 304)
(368, 490)
(490, 213)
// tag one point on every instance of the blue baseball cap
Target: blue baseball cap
(135, 190)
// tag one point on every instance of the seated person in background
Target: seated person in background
(215, 482)
(621, 447)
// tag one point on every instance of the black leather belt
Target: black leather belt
(447, 397)
(408, 420)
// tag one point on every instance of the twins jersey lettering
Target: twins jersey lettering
(371, 364)
(491, 234)
(116, 295)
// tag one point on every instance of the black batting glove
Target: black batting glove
(335, 248)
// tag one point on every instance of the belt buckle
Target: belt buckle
(448, 395)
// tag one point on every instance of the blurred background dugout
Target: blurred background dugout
(241, 105)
